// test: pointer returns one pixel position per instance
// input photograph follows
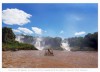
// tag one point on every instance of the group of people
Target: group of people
(49, 52)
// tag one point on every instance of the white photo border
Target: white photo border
(49, 69)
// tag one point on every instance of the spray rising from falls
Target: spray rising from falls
(44, 43)
(39, 44)
(19, 38)
(65, 45)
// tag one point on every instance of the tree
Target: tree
(7, 35)
(91, 40)
(76, 41)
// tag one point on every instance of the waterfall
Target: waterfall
(43, 43)
(19, 38)
(39, 44)
(65, 45)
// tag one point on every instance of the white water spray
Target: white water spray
(39, 44)
(19, 38)
(65, 45)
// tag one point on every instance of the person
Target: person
(50, 51)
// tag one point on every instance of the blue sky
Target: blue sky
(61, 20)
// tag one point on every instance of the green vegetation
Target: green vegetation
(7, 35)
(89, 42)
(9, 43)
(17, 46)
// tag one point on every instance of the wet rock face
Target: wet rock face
(41, 42)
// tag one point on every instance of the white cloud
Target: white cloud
(45, 31)
(61, 31)
(25, 30)
(76, 17)
(22, 30)
(16, 31)
(37, 30)
(80, 33)
(15, 16)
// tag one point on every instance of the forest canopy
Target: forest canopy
(89, 40)
(9, 43)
